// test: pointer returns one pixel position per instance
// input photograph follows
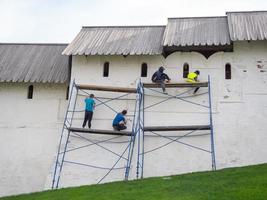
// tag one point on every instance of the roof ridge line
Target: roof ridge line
(197, 17)
(255, 11)
(50, 44)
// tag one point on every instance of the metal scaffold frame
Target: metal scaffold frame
(68, 131)
(192, 129)
(138, 128)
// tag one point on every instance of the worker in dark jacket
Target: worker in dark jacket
(160, 77)
(119, 121)
(192, 77)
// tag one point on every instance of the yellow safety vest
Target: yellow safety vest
(191, 77)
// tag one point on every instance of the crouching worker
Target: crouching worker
(119, 121)
(192, 77)
(160, 77)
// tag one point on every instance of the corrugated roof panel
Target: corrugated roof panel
(33, 63)
(196, 31)
(247, 25)
(117, 40)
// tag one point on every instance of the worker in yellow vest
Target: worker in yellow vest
(192, 77)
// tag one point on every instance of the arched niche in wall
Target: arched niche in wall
(216, 55)
(144, 69)
(198, 56)
(30, 92)
(205, 54)
(185, 70)
(216, 61)
(228, 71)
(176, 60)
(67, 93)
(106, 69)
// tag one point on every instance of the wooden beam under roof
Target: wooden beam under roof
(99, 131)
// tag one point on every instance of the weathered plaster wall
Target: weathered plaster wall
(125, 72)
(29, 131)
(239, 109)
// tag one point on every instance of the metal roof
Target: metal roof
(196, 31)
(117, 40)
(33, 63)
(247, 25)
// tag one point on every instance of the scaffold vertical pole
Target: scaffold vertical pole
(132, 138)
(61, 138)
(211, 128)
(142, 129)
(140, 149)
(139, 131)
(67, 140)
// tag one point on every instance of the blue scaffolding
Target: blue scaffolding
(136, 135)
(68, 130)
(155, 129)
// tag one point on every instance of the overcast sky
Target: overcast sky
(59, 21)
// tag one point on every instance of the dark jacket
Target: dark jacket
(159, 76)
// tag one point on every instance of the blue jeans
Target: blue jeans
(119, 127)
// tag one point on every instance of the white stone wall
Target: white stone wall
(239, 111)
(29, 131)
(125, 72)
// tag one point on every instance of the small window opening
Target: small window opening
(30, 92)
(106, 69)
(67, 93)
(144, 70)
(228, 74)
(185, 70)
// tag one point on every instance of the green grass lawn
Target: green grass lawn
(246, 183)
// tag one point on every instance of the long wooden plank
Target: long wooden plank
(99, 131)
(177, 128)
(107, 88)
(176, 85)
